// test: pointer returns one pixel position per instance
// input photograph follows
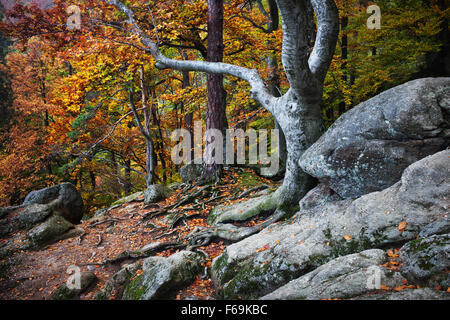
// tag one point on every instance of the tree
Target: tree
(298, 110)
(215, 106)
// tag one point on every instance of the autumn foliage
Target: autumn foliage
(71, 120)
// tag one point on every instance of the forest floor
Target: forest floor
(125, 228)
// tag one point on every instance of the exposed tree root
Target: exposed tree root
(230, 232)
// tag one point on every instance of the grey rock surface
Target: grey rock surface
(439, 226)
(75, 289)
(343, 278)
(368, 147)
(48, 231)
(265, 261)
(161, 276)
(31, 215)
(117, 281)
(409, 294)
(426, 261)
(64, 200)
(155, 193)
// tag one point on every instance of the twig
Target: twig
(99, 240)
(104, 221)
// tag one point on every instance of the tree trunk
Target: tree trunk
(344, 55)
(215, 109)
(127, 182)
(302, 122)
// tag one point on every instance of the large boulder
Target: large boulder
(439, 226)
(344, 277)
(156, 193)
(161, 276)
(263, 262)
(31, 215)
(426, 261)
(368, 147)
(51, 230)
(114, 287)
(64, 200)
(73, 291)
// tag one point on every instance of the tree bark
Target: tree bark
(215, 107)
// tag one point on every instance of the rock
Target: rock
(368, 147)
(343, 278)
(409, 294)
(48, 231)
(4, 212)
(74, 290)
(161, 276)
(156, 193)
(242, 211)
(267, 172)
(31, 215)
(426, 261)
(64, 200)
(118, 280)
(149, 247)
(440, 226)
(99, 212)
(191, 172)
(131, 198)
(265, 261)
(320, 195)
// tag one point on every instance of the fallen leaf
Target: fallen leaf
(347, 237)
(402, 226)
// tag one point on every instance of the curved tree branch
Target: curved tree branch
(326, 39)
(259, 91)
(295, 51)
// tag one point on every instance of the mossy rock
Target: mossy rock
(426, 261)
(130, 198)
(161, 277)
(245, 210)
(48, 231)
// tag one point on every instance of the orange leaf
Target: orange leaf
(347, 237)
(402, 226)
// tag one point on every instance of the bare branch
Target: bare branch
(295, 51)
(326, 39)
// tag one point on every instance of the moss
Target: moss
(224, 271)
(418, 245)
(316, 260)
(248, 179)
(64, 293)
(246, 283)
(341, 247)
(252, 281)
(127, 199)
(135, 289)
